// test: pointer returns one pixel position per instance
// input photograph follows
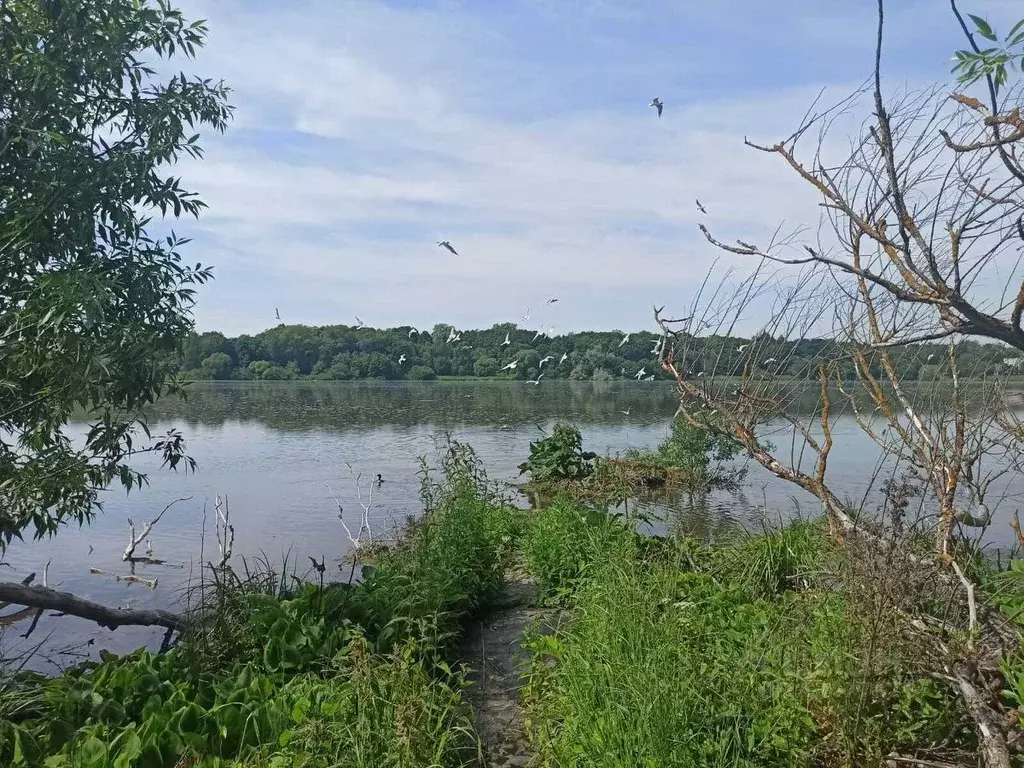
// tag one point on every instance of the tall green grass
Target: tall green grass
(673, 654)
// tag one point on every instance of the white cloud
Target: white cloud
(366, 133)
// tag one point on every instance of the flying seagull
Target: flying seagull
(640, 374)
(741, 347)
(657, 348)
(507, 341)
(412, 332)
(359, 322)
(626, 412)
(565, 356)
(545, 360)
(537, 335)
(770, 360)
(656, 103)
(446, 244)
(401, 359)
(931, 357)
(552, 300)
(625, 340)
(701, 208)
(526, 315)
(511, 366)
(277, 314)
(536, 381)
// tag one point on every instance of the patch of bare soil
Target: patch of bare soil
(491, 650)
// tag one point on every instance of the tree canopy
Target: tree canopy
(340, 352)
(93, 302)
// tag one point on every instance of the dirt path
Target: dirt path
(491, 649)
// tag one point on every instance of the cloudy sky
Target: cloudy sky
(519, 130)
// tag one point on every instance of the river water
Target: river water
(273, 448)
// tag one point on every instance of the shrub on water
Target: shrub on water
(559, 456)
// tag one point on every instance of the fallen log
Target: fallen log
(65, 602)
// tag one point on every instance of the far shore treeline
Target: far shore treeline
(340, 352)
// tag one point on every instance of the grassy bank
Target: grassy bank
(775, 650)
(271, 674)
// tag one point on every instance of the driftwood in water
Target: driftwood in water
(45, 598)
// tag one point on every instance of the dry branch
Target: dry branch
(134, 541)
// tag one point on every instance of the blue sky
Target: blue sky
(518, 130)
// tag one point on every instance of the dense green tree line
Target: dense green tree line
(343, 352)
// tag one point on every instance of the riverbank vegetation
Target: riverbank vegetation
(786, 647)
(688, 459)
(274, 671)
(342, 352)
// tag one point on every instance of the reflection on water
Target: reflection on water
(273, 448)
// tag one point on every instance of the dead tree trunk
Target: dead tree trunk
(45, 598)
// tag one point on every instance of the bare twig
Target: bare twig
(134, 541)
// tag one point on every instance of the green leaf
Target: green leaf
(300, 709)
(983, 27)
(93, 752)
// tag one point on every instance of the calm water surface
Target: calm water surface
(273, 448)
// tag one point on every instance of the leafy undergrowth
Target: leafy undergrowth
(763, 652)
(271, 676)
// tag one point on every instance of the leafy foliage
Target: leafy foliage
(93, 305)
(994, 61)
(559, 456)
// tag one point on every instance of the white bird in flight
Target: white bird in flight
(565, 356)
(401, 359)
(507, 341)
(537, 335)
(640, 374)
(702, 373)
(625, 340)
(770, 360)
(657, 348)
(412, 332)
(741, 347)
(536, 381)
(701, 208)
(526, 315)
(626, 412)
(511, 366)
(931, 357)
(359, 322)
(446, 244)
(657, 104)
(545, 360)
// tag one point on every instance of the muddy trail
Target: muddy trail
(491, 650)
